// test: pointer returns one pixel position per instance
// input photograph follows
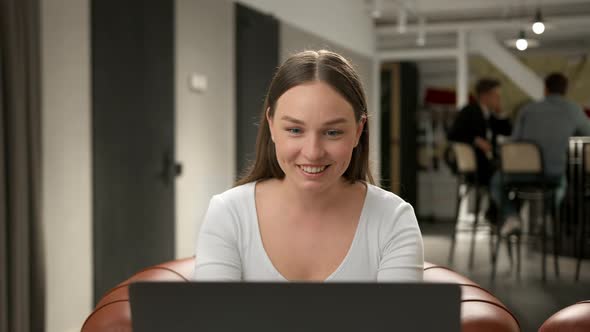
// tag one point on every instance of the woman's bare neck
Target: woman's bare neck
(308, 201)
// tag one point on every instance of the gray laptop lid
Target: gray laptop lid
(294, 307)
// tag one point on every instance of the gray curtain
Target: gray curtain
(22, 273)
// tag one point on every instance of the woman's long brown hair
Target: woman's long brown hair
(305, 67)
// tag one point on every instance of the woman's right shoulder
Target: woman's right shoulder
(236, 197)
(237, 192)
(382, 198)
(229, 211)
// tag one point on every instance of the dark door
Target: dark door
(399, 98)
(257, 57)
(133, 137)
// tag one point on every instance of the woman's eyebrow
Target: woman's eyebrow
(335, 121)
(328, 123)
(290, 119)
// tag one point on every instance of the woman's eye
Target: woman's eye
(333, 133)
(294, 131)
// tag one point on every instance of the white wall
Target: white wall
(66, 163)
(344, 22)
(205, 122)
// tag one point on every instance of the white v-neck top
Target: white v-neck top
(387, 246)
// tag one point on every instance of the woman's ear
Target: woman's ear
(359, 129)
(267, 114)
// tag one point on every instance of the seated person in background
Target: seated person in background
(480, 124)
(548, 123)
(307, 209)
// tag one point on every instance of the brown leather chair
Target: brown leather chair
(575, 318)
(480, 310)
(112, 312)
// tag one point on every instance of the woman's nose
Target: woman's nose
(313, 149)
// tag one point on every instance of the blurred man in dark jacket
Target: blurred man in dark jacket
(479, 124)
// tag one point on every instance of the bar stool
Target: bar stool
(468, 180)
(584, 208)
(525, 159)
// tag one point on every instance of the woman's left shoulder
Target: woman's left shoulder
(383, 198)
(387, 210)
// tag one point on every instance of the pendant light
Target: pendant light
(538, 25)
(522, 43)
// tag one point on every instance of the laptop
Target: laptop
(294, 307)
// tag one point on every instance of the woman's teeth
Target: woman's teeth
(313, 170)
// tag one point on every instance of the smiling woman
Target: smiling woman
(307, 209)
(301, 74)
(314, 135)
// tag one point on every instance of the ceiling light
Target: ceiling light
(421, 39)
(376, 11)
(521, 43)
(538, 25)
(512, 43)
(402, 20)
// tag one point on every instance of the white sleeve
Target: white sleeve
(402, 251)
(217, 252)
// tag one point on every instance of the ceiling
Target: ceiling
(567, 21)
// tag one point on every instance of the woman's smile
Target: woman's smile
(313, 169)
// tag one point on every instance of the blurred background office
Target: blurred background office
(120, 119)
